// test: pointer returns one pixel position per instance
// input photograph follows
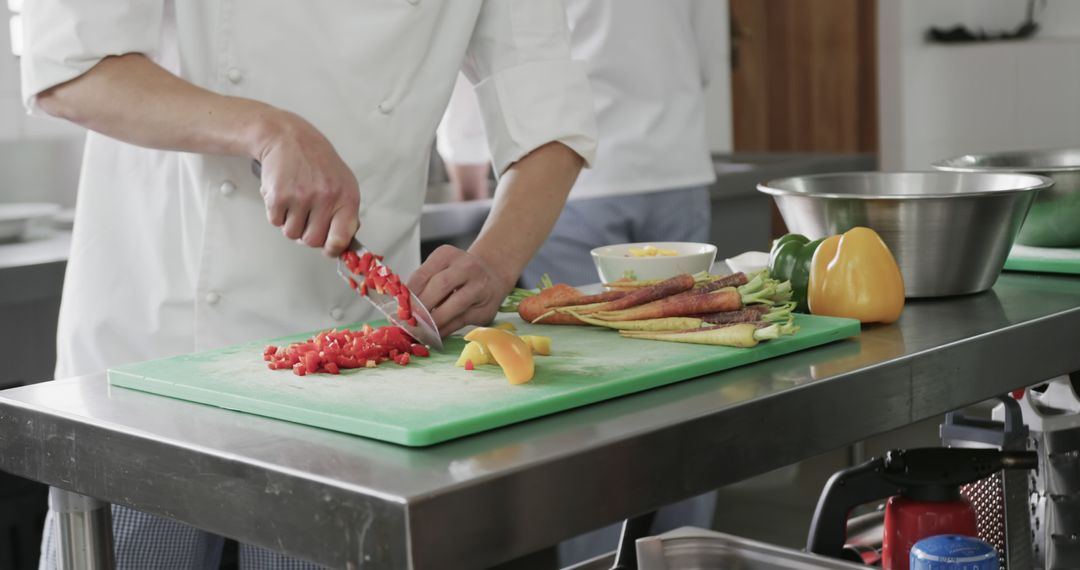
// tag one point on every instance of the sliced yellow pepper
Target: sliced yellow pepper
(511, 353)
(854, 275)
(539, 344)
(476, 353)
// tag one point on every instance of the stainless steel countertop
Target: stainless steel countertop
(345, 501)
(53, 246)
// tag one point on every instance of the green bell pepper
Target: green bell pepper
(790, 261)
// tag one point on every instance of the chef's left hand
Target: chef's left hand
(460, 288)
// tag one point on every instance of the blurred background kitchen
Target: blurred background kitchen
(802, 86)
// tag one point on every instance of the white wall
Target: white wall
(938, 100)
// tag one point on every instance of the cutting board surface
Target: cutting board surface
(431, 400)
(1043, 259)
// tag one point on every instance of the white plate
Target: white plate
(748, 262)
(15, 219)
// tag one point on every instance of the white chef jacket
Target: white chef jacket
(648, 62)
(172, 251)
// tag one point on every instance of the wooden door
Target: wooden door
(804, 76)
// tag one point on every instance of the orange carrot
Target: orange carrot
(589, 299)
(532, 308)
(727, 299)
(665, 288)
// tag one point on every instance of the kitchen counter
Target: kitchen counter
(348, 502)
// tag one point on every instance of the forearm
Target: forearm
(132, 99)
(527, 203)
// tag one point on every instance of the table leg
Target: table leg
(633, 529)
(83, 531)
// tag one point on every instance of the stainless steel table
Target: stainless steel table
(348, 502)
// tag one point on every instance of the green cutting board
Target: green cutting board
(431, 400)
(1043, 259)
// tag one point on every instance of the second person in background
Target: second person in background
(649, 64)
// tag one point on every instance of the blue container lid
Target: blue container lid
(953, 552)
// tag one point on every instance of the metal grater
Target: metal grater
(988, 498)
(1001, 501)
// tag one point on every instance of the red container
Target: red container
(908, 521)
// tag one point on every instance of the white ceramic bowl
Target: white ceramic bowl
(613, 261)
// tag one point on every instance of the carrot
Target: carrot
(733, 280)
(534, 308)
(664, 324)
(665, 288)
(746, 315)
(625, 283)
(678, 306)
(751, 314)
(590, 299)
(740, 335)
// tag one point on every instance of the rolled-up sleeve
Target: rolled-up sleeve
(62, 39)
(530, 91)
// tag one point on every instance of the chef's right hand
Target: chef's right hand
(309, 191)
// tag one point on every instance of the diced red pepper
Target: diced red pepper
(469, 365)
(333, 350)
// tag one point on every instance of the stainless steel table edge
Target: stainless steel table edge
(786, 428)
(541, 481)
(358, 506)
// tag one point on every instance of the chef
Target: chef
(177, 247)
(649, 63)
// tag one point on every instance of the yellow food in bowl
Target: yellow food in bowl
(650, 251)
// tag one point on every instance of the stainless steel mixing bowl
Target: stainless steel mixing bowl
(950, 232)
(1054, 219)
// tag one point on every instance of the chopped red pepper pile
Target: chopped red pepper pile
(375, 275)
(330, 351)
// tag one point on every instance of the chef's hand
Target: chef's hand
(460, 288)
(310, 193)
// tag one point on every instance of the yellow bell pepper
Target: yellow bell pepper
(539, 344)
(511, 353)
(854, 275)
(476, 353)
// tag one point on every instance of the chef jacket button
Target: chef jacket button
(386, 107)
(337, 313)
(213, 297)
(228, 188)
(235, 75)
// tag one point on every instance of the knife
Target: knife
(424, 330)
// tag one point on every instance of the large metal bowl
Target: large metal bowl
(1054, 219)
(950, 233)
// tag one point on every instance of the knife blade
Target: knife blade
(424, 330)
